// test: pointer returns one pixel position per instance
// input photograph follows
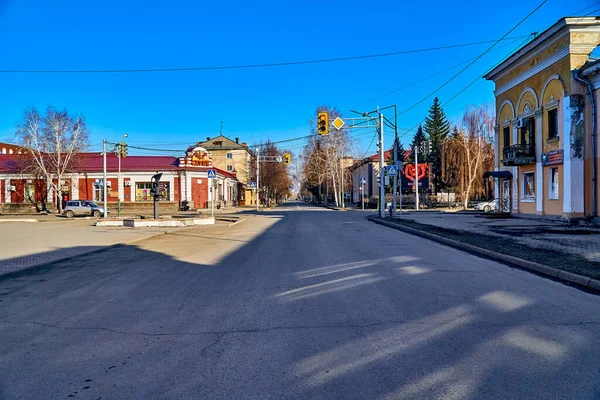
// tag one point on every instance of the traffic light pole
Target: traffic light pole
(381, 170)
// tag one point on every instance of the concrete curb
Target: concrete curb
(19, 220)
(236, 222)
(14, 274)
(555, 273)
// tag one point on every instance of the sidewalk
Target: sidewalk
(570, 248)
(25, 245)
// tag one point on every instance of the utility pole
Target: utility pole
(417, 175)
(396, 163)
(120, 149)
(119, 155)
(381, 169)
(104, 180)
(257, 176)
(343, 194)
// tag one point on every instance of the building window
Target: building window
(229, 168)
(98, 193)
(553, 184)
(10, 151)
(528, 132)
(528, 185)
(142, 191)
(506, 136)
(230, 155)
(4, 150)
(553, 123)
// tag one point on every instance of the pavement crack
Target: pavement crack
(222, 333)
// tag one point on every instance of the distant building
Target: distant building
(233, 157)
(547, 150)
(367, 169)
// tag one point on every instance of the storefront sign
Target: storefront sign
(554, 157)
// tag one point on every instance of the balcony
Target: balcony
(518, 154)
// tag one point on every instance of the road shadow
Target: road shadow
(265, 318)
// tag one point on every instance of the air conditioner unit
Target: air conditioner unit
(12, 188)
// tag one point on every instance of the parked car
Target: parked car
(486, 206)
(83, 207)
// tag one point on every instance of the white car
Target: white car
(486, 206)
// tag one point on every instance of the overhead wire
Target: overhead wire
(474, 61)
(247, 66)
(467, 86)
(500, 62)
(408, 85)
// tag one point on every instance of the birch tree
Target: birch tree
(472, 146)
(53, 142)
(325, 158)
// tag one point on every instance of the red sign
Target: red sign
(552, 158)
(409, 176)
(409, 171)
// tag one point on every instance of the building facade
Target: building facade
(233, 157)
(544, 153)
(366, 169)
(184, 179)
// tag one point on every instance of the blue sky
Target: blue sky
(170, 110)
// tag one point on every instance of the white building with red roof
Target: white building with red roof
(185, 181)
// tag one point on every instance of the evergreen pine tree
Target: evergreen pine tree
(437, 128)
(418, 138)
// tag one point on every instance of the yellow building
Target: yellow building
(233, 157)
(546, 152)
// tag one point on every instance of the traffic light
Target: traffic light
(123, 150)
(287, 157)
(154, 188)
(323, 119)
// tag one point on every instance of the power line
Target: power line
(427, 77)
(475, 60)
(247, 66)
(501, 61)
(468, 86)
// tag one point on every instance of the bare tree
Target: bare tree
(53, 142)
(275, 181)
(471, 150)
(325, 158)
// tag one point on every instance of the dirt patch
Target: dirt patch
(560, 260)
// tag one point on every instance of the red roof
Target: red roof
(388, 154)
(9, 163)
(93, 162)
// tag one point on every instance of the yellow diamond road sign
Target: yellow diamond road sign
(338, 123)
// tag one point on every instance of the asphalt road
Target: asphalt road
(301, 303)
